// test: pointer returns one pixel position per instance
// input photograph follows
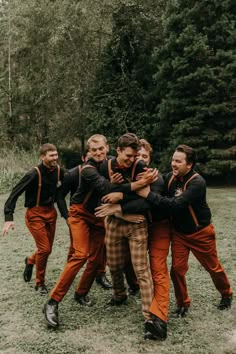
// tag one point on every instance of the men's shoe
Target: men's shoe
(155, 329)
(103, 281)
(50, 311)
(41, 289)
(27, 275)
(225, 303)
(115, 302)
(181, 311)
(133, 290)
(83, 299)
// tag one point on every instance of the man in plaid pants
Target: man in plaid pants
(124, 235)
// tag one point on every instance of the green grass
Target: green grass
(113, 331)
(13, 165)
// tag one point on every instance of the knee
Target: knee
(178, 268)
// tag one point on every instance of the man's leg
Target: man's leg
(204, 249)
(138, 238)
(41, 222)
(116, 247)
(159, 243)
(180, 255)
(96, 255)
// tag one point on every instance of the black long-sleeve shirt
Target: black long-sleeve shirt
(178, 201)
(29, 185)
(131, 203)
(93, 183)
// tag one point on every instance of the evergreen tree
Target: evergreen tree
(196, 81)
(121, 99)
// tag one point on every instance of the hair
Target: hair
(46, 147)
(128, 140)
(190, 153)
(146, 145)
(95, 139)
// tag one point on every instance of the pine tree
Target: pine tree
(196, 80)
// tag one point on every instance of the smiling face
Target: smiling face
(144, 155)
(98, 149)
(179, 164)
(126, 156)
(50, 159)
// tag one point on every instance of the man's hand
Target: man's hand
(133, 218)
(143, 192)
(107, 209)
(148, 177)
(7, 226)
(112, 198)
(117, 178)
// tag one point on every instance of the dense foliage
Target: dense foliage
(165, 70)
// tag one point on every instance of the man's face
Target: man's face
(179, 165)
(98, 150)
(144, 155)
(50, 159)
(126, 156)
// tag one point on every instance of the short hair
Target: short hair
(191, 155)
(95, 139)
(129, 140)
(45, 148)
(146, 145)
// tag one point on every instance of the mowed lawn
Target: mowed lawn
(101, 329)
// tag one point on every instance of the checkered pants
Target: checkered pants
(122, 236)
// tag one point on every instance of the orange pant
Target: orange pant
(159, 243)
(203, 246)
(88, 235)
(41, 222)
(102, 267)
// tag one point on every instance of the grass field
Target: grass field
(100, 329)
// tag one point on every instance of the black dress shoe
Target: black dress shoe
(42, 289)
(27, 275)
(50, 311)
(133, 290)
(116, 302)
(181, 311)
(83, 299)
(103, 281)
(225, 303)
(155, 329)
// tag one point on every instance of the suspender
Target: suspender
(88, 195)
(40, 182)
(39, 185)
(110, 172)
(184, 189)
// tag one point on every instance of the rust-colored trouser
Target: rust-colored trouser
(88, 234)
(203, 245)
(41, 222)
(159, 243)
(102, 267)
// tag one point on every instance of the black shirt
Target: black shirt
(29, 185)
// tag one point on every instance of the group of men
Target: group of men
(121, 211)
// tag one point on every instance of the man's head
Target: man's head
(127, 149)
(98, 147)
(145, 151)
(183, 160)
(48, 155)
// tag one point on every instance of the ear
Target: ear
(189, 166)
(108, 148)
(118, 150)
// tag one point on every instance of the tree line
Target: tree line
(165, 70)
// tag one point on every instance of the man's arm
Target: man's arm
(19, 188)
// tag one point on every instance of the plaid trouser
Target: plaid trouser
(122, 236)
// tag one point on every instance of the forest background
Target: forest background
(165, 70)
